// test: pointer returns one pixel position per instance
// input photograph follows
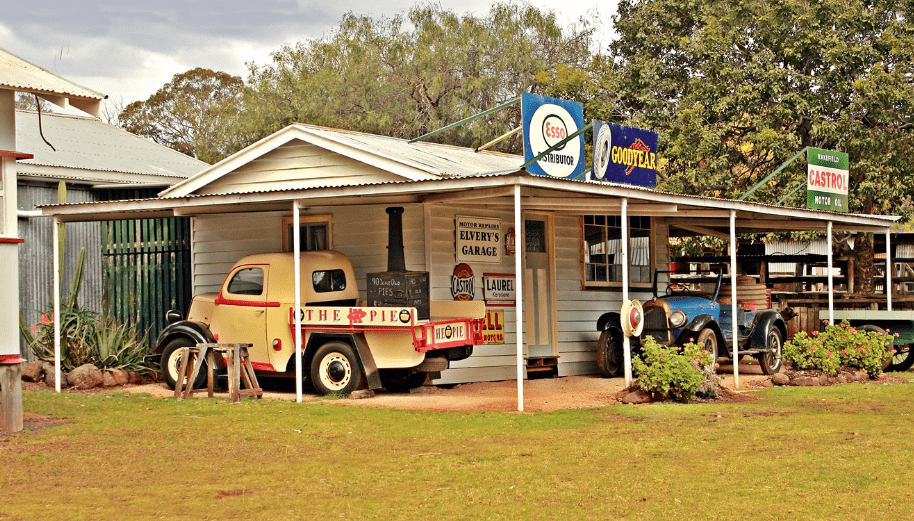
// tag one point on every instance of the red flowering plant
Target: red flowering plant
(678, 372)
(840, 345)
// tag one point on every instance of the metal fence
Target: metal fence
(147, 271)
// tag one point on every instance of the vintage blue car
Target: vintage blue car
(682, 316)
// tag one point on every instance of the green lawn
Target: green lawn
(799, 453)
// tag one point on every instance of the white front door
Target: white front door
(539, 286)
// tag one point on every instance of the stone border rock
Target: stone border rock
(83, 377)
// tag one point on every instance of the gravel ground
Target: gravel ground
(547, 394)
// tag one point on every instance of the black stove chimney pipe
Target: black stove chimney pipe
(396, 259)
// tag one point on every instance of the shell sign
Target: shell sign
(548, 121)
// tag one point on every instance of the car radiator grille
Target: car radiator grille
(655, 325)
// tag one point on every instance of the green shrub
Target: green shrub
(839, 345)
(680, 373)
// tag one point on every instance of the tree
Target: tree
(404, 77)
(27, 101)
(189, 114)
(736, 88)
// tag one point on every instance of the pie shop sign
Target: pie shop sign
(478, 239)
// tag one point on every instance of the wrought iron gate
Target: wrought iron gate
(147, 271)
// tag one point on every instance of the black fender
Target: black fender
(196, 331)
(610, 320)
(356, 340)
(689, 333)
(760, 325)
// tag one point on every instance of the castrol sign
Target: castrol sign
(548, 121)
(827, 179)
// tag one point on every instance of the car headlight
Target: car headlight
(677, 319)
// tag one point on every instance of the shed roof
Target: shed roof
(431, 173)
(88, 150)
(410, 161)
(23, 76)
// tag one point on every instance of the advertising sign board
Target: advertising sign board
(624, 154)
(547, 121)
(827, 178)
(499, 289)
(493, 330)
(478, 239)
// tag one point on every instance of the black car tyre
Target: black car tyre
(709, 338)
(610, 359)
(770, 360)
(335, 369)
(171, 362)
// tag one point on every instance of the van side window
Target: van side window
(329, 280)
(248, 281)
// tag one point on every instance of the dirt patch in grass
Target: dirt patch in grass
(32, 422)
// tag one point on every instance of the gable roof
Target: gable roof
(408, 161)
(23, 76)
(87, 150)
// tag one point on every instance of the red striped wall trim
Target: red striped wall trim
(11, 359)
(16, 155)
(11, 240)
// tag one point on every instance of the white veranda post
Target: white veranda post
(626, 342)
(519, 319)
(296, 267)
(733, 303)
(55, 234)
(831, 281)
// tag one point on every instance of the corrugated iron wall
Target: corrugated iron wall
(36, 255)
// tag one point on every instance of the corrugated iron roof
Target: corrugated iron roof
(444, 160)
(21, 75)
(88, 144)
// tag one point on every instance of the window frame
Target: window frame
(610, 284)
(305, 220)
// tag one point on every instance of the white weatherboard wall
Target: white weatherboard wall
(360, 232)
(297, 165)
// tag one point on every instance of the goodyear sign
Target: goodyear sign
(624, 154)
(827, 176)
(547, 121)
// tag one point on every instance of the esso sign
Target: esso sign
(555, 124)
(554, 131)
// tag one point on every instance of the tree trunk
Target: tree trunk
(863, 264)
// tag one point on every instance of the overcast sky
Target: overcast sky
(127, 49)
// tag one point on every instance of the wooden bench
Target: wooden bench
(239, 370)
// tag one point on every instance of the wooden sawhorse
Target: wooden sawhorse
(239, 369)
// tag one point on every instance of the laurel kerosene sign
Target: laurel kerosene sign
(479, 239)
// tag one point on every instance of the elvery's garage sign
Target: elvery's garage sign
(478, 239)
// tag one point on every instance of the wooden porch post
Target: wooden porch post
(733, 303)
(626, 341)
(55, 233)
(518, 273)
(831, 280)
(296, 266)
